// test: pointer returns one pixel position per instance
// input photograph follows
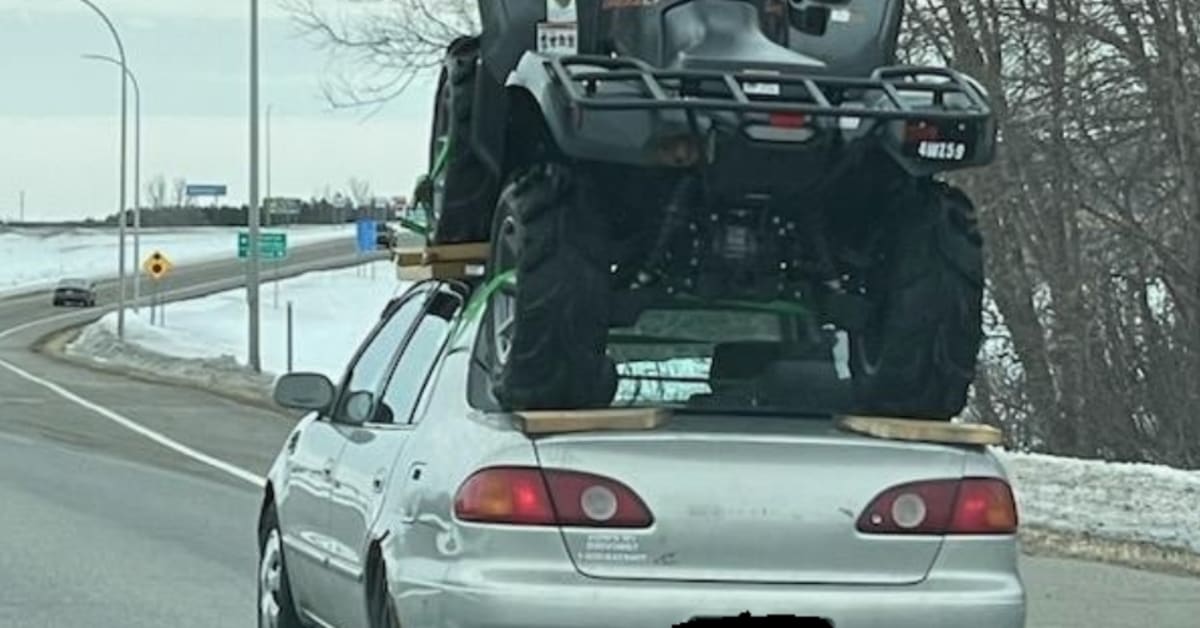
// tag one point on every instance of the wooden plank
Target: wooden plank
(923, 431)
(410, 257)
(456, 270)
(564, 421)
(465, 252)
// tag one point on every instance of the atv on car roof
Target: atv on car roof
(623, 156)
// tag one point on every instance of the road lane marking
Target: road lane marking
(161, 439)
(133, 426)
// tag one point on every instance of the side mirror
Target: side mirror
(357, 409)
(304, 391)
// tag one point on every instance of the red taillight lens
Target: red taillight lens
(530, 496)
(921, 131)
(985, 506)
(968, 506)
(505, 496)
(788, 120)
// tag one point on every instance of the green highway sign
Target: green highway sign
(270, 245)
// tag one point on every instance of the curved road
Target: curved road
(102, 527)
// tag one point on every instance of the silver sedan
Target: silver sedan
(403, 498)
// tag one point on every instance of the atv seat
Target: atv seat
(772, 373)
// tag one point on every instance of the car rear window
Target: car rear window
(737, 358)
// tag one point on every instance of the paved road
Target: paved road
(102, 527)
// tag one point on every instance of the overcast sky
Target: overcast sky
(59, 114)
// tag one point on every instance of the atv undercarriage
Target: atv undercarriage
(795, 188)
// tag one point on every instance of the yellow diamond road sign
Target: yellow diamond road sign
(157, 265)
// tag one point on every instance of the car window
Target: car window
(371, 367)
(412, 370)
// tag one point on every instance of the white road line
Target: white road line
(128, 424)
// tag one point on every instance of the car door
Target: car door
(305, 510)
(368, 460)
(303, 503)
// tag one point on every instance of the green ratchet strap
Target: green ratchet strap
(439, 164)
(480, 300)
(773, 307)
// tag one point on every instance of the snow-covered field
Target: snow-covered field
(334, 310)
(34, 258)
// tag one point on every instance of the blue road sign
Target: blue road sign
(367, 232)
(205, 190)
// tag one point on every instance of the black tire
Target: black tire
(916, 357)
(381, 609)
(548, 228)
(287, 617)
(469, 185)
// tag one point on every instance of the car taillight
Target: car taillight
(967, 506)
(530, 496)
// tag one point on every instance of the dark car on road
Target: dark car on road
(75, 292)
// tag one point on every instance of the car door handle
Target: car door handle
(378, 480)
(327, 470)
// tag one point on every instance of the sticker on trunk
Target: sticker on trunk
(613, 548)
(557, 39)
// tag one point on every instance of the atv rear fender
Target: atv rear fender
(622, 110)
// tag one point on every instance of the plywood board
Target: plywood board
(562, 421)
(923, 431)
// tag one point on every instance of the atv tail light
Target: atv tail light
(921, 131)
(788, 120)
(530, 496)
(943, 507)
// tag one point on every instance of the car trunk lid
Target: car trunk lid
(751, 499)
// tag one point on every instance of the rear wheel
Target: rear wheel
(381, 609)
(464, 183)
(916, 357)
(547, 333)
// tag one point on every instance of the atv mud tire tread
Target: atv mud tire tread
(563, 293)
(468, 181)
(927, 334)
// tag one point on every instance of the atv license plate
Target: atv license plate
(557, 39)
(761, 89)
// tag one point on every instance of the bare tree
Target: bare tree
(379, 52)
(360, 192)
(1092, 218)
(156, 191)
(179, 192)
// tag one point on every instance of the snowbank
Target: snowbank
(332, 313)
(1118, 501)
(33, 258)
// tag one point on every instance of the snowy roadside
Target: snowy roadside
(35, 258)
(1137, 514)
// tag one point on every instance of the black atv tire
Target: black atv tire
(548, 228)
(468, 183)
(916, 357)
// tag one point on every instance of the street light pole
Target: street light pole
(137, 175)
(267, 201)
(252, 266)
(124, 132)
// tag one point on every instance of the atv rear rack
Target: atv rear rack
(820, 96)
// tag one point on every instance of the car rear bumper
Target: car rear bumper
(953, 596)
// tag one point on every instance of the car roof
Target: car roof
(74, 282)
